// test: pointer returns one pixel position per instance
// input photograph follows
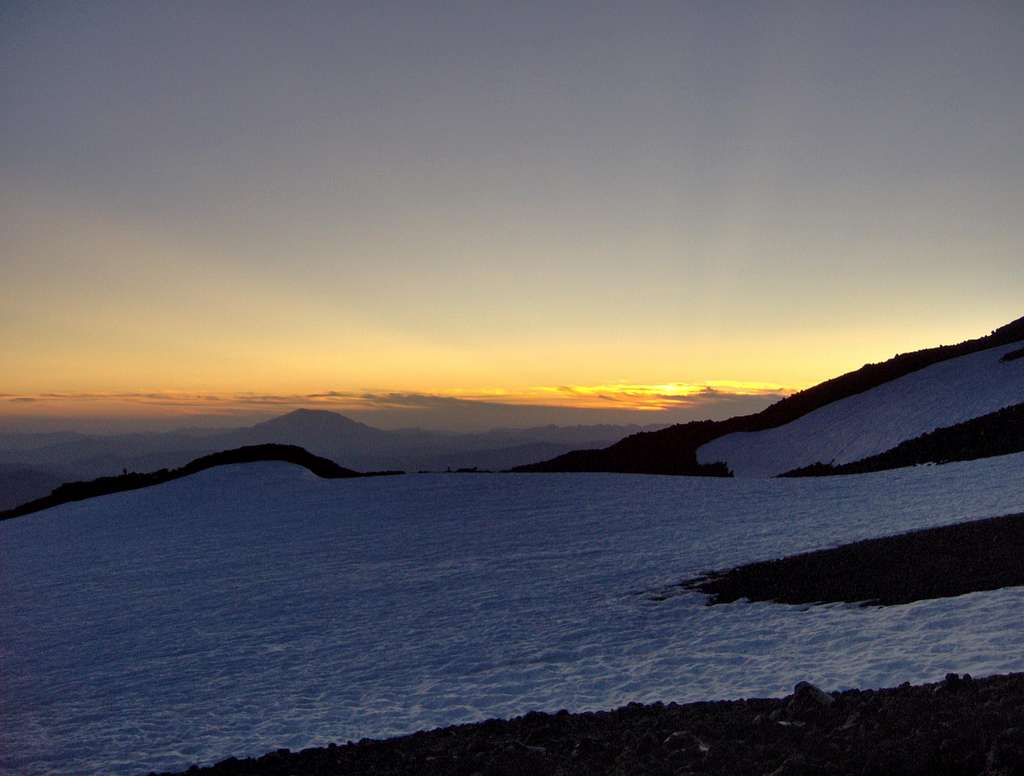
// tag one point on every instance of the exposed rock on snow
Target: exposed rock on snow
(877, 420)
(673, 450)
(998, 433)
(931, 563)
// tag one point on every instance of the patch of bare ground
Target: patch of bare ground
(958, 726)
(932, 563)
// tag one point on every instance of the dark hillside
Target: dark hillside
(78, 491)
(674, 450)
(950, 560)
(998, 433)
(19, 484)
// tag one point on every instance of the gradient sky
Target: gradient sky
(527, 203)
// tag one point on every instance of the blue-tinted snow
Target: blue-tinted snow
(255, 607)
(877, 420)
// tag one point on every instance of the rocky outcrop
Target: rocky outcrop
(932, 563)
(957, 726)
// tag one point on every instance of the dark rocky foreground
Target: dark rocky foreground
(932, 563)
(958, 726)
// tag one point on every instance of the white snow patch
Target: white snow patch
(249, 608)
(877, 420)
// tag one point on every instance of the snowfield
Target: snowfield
(877, 420)
(254, 607)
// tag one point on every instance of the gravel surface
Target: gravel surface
(957, 726)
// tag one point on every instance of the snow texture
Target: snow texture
(877, 420)
(253, 607)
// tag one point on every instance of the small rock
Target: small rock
(685, 741)
(646, 744)
(1007, 751)
(807, 691)
(794, 766)
(955, 683)
(583, 747)
(519, 746)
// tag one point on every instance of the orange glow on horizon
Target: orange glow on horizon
(619, 396)
(658, 397)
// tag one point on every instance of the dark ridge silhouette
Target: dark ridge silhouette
(19, 484)
(1013, 355)
(674, 450)
(960, 726)
(998, 433)
(670, 451)
(818, 469)
(78, 491)
(931, 563)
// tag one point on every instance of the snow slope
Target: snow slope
(872, 422)
(254, 607)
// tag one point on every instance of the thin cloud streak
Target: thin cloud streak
(450, 410)
(624, 396)
(664, 396)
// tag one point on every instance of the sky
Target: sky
(651, 211)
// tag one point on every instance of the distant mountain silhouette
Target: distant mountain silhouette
(311, 424)
(324, 433)
(674, 450)
(78, 491)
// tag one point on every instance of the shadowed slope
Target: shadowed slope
(78, 491)
(674, 450)
(932, 563)
(998, 433)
